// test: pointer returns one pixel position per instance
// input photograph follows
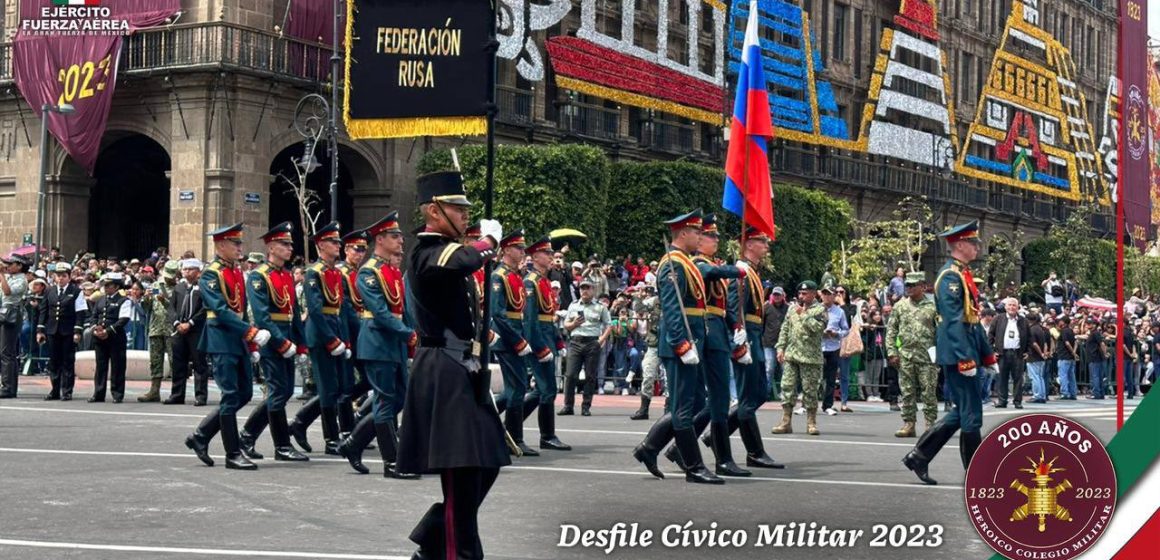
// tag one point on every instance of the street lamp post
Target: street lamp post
(63, 109)
(332, 125)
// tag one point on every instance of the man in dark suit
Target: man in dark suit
(1010, 337)
(188, 315)
(60, 322)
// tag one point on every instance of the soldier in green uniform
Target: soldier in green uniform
(682, 338)
(719, 343)
(910, 336)
(648, 308)
(799, 349)
(157, 298)
(231, 344)
(541, 333)
(508, 299)
(962, 349)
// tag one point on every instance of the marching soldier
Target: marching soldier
(232, 344)
(910, 335)
(682, 338)
(60, 323)
(354, 251)
(109, 319)
(799, 349)
(327, 337)
(270, 288)
(387, 340)
(508, 299)
(450, 425)
(748, 355)
(962, 347)
(545, 340)
(715, 361)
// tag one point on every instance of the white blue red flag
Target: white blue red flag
(747, 185)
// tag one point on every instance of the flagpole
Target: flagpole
(742, 283)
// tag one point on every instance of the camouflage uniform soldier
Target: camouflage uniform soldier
(799, 349)
(648, 308)
(910, 335)
(160, 329)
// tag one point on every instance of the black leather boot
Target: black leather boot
(925, 450)
(648, 449)
(254, 426)
(722, 449)
(513, 422)
(280, 433)
(530, 404)
(352, 447)
(345, 416)
(642, 412)
(968, 443)
(672, 454)
(430, 533)
(388, 440)
(198, 441)
(305, 417)
(686, 441)
(755, 455)
(548, 439)
(330, 431)
(732, 423)
(234, 457)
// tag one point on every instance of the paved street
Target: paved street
(84, 480)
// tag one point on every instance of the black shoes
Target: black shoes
(917, 463)
(288, 453)
(172, 400)
(298, 432)
(1019, 405)
(585, 412)
(52, 397)
(93, 399)
(525, 450)
(199, 402)
(642, 412)
(675, 457)
(566, 411)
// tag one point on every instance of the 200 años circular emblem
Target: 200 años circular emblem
(1040, 487)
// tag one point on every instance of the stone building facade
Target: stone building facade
(203, 122)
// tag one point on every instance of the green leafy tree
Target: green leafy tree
(880, 246)
(1003, 256)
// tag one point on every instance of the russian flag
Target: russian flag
(747, 186)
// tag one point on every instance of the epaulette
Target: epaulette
(534, 276)
(215, 266)
(701, 258)
(370, 263)
(263, 269)
(318, 266)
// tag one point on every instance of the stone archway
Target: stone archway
(129, 208)
(356, 175)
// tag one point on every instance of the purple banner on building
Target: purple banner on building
(66, 53)
(1135, 170)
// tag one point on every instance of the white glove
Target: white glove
(563, 352)
(301, 359)
(255, 357)
(970, 372)
(547, 358)
(527, 350)
(743, 266)
(339, 350)
(347, 355)
(631, 375)
(691, 358)
(747, 358)
(993, 371)
(289, 353)
(494, 339)
(492, 229)
(581, 377)
(262, 337)
(740, 337)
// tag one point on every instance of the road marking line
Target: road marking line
(204, 551)
(642, 473)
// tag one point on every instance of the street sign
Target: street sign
(28, 239)
(253, 198)
(185, 196)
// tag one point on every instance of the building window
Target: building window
(965, 66)
(840, 11)
(857, 43)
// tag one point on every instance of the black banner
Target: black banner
(417, 67)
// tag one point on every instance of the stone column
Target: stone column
(66, 212)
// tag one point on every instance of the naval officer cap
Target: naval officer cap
(709, 225)
(357, 238)
(513, 239)
(280, 232)
(328, 232)
(543, 244)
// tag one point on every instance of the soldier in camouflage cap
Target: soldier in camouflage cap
(799, 349)
(910, 334)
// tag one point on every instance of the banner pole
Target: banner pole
(332, 125)
(489, 181)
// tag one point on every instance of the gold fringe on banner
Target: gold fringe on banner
(362, 129)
